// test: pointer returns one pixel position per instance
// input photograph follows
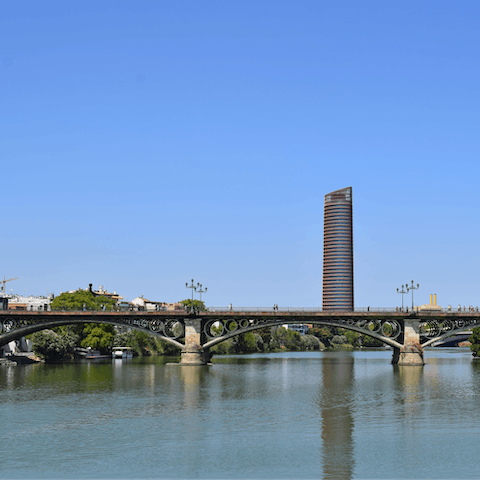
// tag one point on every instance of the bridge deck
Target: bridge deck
(425, 316)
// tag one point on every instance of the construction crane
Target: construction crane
(3, 282)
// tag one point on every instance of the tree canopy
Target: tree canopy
(54, 346)
(475, 340)
(81, 299)
(198, 306)
(98, 336)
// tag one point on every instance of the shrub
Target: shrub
(53, 346)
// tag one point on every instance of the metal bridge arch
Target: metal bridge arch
(15, 328)
(233, 327)
(436, 330)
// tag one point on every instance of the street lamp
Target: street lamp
(412, 287)
(402, 291)
(193, 287)
(200, 291)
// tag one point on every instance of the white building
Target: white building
(301, 328)
(31, 303)
(142, 303)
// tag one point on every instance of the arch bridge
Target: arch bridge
(194, 334)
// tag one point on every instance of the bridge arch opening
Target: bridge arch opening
(12, 329)
(219, 330)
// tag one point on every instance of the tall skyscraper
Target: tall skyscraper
(338, 251)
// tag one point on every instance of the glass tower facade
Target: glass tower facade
(338, 251)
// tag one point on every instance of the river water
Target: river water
(339, 415)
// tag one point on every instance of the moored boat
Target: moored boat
(122, 352)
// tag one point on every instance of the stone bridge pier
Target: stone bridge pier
(411, 352)
(193, 353)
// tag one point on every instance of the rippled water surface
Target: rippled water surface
(292, 415)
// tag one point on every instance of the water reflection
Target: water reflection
(339, 415)
(336, 414)
(410, 383)
(192, 377)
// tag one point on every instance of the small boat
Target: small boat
(95, 355)
(122, 352)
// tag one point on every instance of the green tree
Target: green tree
(474, 339)
(280, 336)
(352, 337)
(368, 341)
(311, 342)
(223, 348)
(53, 346)
(198, 306)
(324, 334)
(81, 299)
(266, 334)
(98, 336)
(245, 343)
(294, 341)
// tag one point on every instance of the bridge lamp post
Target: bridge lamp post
(200, 291)
(194, 288)
(412, 287)
(402, 291)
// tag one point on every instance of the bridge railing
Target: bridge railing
(225, 309)
(293, 309)
(320, 309)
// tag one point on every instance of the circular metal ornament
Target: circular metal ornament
(374, 326)
(214, 328)
(391, 329)
(430, 329)
(244, 323)
(231, 326)
(23, 322)
(446, 326)
(9, 325)
(174, 329)
(471, 321)
(156, 325)
(362, 323)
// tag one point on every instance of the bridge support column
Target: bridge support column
(412, 351)
(193, 352)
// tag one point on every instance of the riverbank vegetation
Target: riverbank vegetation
(60, 344)
(268, 340)
(277, 339)
(475, 342)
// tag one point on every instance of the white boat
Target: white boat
(122, 352)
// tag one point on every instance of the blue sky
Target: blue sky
(146, 143)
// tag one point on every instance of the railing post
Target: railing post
(411, 354)
(193, 352)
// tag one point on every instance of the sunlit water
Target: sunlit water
(293, 415)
